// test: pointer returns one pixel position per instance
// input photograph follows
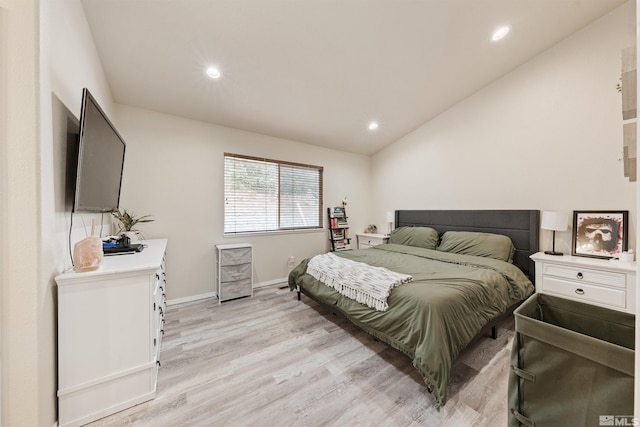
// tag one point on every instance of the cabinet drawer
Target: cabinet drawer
(235, 256)
(235, 289)
(371, 242)
(584, 292)
(608, 278)
(232, 273)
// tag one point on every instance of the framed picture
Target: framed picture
(600, 234)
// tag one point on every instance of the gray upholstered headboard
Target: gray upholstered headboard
(522, 226)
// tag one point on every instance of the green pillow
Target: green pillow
(422, 237)
(479, 244)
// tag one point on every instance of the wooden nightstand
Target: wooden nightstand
(607, 283)
(366, 240)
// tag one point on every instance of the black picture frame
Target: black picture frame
(600, 234)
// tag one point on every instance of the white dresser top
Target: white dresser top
(580, 261)
(149, 259)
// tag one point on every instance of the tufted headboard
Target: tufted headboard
(522, 226)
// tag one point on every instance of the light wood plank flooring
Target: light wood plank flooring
(270, 360)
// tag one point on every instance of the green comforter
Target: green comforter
(432, 318)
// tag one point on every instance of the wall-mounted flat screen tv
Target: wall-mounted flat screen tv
(100, 160)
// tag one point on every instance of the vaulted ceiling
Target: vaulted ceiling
(319, 71)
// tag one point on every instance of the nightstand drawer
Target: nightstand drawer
(585, 292)
(607, 278)
(239, 288)
(230, 273)
(235, 256)
(371, 241)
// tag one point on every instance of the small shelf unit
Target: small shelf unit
(338, 226)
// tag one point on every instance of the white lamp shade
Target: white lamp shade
(556, 221)
(390, 217)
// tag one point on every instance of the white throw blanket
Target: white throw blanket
(362, 282)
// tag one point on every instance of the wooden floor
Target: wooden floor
(270, 360)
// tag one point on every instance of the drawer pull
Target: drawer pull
(579, 291)
(579, 275)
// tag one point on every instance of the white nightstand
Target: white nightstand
(366, 240)
(603, 282)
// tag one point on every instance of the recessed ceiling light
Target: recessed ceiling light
(213, 72)
(500, 33)
(373, 125)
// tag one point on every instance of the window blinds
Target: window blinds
(270, 195)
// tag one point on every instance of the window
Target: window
(270, 195)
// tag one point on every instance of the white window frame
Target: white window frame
(274, 211)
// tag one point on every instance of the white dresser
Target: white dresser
(234, 272)
(366, 240)
(110, 326)
(603, 282)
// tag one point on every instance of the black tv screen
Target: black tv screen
(100, 160)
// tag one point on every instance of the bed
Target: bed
(467, 269)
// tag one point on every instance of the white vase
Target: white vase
(133, 235)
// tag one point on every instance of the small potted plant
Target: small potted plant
(128, 221)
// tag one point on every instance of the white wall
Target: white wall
(546, 136)
(70, 62)
(21, 294)
(50, 56)
(174, 172)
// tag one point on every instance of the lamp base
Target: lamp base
(553, 253)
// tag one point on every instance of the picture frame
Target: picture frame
(600, 234)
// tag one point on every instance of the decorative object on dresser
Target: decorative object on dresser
(338, 228)
(234, 271)
(554, 221)
(87, 253)
(128, 220)
(627, 257)
(600, 234)
(366, 240)
(603, 282)
(110, 326)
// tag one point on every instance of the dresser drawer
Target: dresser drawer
(235, 256)
(585, 292)
(235, 289)
(607, 278)
(230, 273)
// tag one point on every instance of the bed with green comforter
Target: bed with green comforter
(432, 318)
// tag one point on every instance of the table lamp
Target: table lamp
(390, 220)
(554, 221)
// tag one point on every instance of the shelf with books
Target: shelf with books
(338, 225)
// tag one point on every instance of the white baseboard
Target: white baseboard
(191, 298)
(215, 294)
(271, 282)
